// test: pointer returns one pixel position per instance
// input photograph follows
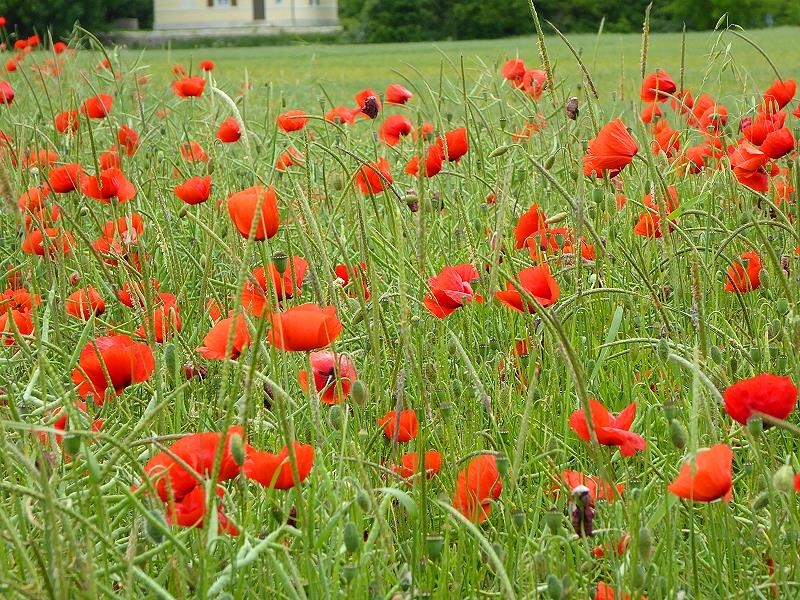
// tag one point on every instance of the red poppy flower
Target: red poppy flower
(372, 177)
(454, 145)
(275, 470)
(82, 304)
(190, 511)
(255, 290)
(534, 82)
(617, 548)
(40, 158)
(610, 430)
(410, 465)
(665, 139)
(22, 321)
(606, 592)
(513, 70)
(65, 178)
(451, 289)
(611, 150)
(11, 65)
(365, 97)
(708, 477)
(6, 92)
(393, 128)
(355, 273)
(61, 421)
(743, 275)
(119, 236)
(778, 143)
(304, 327)
(433, 162)
(218, 340)
(403, 424)
(333, 375)
(288, 158)
(67, 121)
(748, 164)
(50, 241)
(128, 139)
(477, 485)
(538, 283)
(189, 87)
(32, 200)
(97, 107)
(649, 223)
(229, 131)
(779, 94)
(206, 65)
(108, 184)
(599, 489)
(126, 362)
(193, 152)
(757, 128)
(172, 481)
(292, 120)
(194, 190)
(768, 394)
(342, 114)
(165, 320)
(532, 221)
(397, 94)
(134, 295)
(651, 112)
(657, 87)
(243, 207)
(110, 159)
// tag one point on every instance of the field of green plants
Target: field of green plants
(507, 319)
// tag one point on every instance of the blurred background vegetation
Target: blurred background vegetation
(420, 20)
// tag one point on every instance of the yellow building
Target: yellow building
(212, 14)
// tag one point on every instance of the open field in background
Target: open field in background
(301, 72)
(631, 308)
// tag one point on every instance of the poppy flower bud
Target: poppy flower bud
(370, 107)
(555, 588)
(359, 393)
(269, 396)
(551, 160)
(677, 433)
(663, 349)
(763, 278)
(71, 443)
(352, 537)
(503, 464)
(155, 526)
(755, 426)
(336, 416)
(499, 151)
(169, 358)
(280, 259)
(646, 546)
(783, 479)
(755, 355)
(760, 501)
(363, 500)
(74, 278)
(434, 545)
(518, 518)
(716, 355)
(191, 371)
(237, 449)
(782, 306)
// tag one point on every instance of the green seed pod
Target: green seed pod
(280, 260)
(755, 426)
(155, 531)
(540, 565)
(71, 443)
(518, 518)
(364, 500)
(763, 278)
(645, 545)
(434, 545)
(499, 151)
(782, 306)
(716, 355)
(551, 160)
(503, 464)
(598, 195)
(352, 537)
(761, 501)
(783, 479)
(555, 589)
(553, 519)
(755, 355)
(359, 393)
(677, 433)
(349, 572)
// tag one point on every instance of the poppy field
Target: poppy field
(489, 327)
